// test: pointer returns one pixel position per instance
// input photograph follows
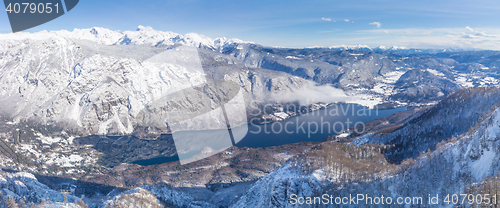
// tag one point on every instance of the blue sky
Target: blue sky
(289, 23)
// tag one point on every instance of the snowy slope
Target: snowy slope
(23, 184)
(449, 169)
(453, 116)
(97, 81)
(274, 189)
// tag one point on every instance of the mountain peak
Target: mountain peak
(144, 28)
(143, 35)
(351, 47)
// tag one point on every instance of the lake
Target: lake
(314, 126)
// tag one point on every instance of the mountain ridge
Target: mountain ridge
(148, 35)
(454, 165)
(142, 35)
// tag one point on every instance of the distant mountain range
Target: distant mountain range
(398, 49)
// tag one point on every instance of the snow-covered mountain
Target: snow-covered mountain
(142, 36)
(396, 49)
(98, 81)
(25, 186)
(453, 116)
(382, 76)
(452, 167)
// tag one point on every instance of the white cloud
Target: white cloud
(476, 34)
(468, 36)
(326, 19)
(487, 39)
(481, 34)
(377, 24)
(313, 93)
(346, 20)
